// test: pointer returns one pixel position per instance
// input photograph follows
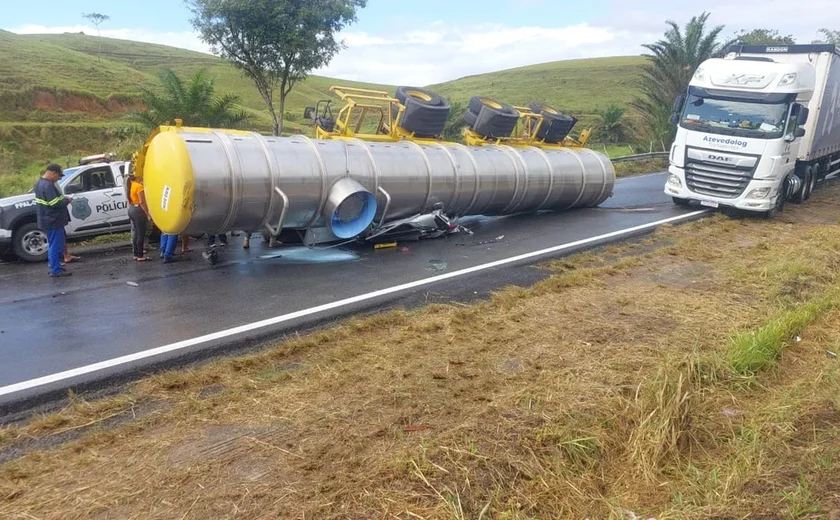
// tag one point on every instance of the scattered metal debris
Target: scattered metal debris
(133, 284)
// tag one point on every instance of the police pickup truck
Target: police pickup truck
(99, 207)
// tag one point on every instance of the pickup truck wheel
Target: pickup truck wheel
(30, 243)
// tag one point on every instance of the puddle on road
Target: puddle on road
(436, 266)
(304, 255)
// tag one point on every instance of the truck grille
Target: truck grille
(706, 176)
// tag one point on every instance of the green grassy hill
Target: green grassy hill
(68, 94)
(580, 87)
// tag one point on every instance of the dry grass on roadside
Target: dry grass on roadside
(629, 168)
(662, 377)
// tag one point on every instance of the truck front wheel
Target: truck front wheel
(681, 202)
(778, 207)
(30, 243)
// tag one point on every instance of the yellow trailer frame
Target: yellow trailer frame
(525, 134)
(360, 103)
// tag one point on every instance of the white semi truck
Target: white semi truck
(757, 128)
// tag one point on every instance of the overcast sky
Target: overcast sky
(435, 40)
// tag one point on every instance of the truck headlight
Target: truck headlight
(787, 79)
(674, 181)
(759, 193)
(700, 74)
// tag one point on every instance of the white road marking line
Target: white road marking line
(110, 363)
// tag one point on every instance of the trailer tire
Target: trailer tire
(556, 125)
(429, 97)
(425, 112)
(470, 117)
(494, 119)
(29, 243)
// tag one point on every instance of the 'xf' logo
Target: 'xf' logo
(744, 79)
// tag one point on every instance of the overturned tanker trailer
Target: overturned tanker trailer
(343, 184)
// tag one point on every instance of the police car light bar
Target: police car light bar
(102, 157)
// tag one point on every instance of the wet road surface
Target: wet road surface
(113, 307)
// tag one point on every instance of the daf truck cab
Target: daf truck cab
(757, 128)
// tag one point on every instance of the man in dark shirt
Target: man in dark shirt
(53, 216)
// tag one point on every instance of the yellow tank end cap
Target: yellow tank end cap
(169, 182)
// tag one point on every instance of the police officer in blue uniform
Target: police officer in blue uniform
(53, 215)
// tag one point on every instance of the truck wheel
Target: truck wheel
(494, 119)
(681, 202)
(425, 112)
(427, 96)
(556, 125)
(30, 243)
(804, 192)
(778, 208)
(812, 186)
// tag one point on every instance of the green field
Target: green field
(69, 94)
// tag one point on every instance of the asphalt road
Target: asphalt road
(115, 316)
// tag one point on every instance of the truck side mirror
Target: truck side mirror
(802, 118)
(679, 103)
(675, 118)
(799, 132)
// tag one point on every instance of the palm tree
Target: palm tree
(194, 102)
(611, 126)
(673, 61)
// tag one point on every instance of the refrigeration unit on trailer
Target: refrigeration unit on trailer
(757, 128)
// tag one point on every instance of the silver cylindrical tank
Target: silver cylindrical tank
(213, 181)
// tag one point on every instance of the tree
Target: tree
(763, 36)
(97, 19)
(276, 43)
(611, 125)
(672, 62)
(195, 102)
(829, 36)
(454, 129)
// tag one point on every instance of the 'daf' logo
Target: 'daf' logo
(81, 208)
(720, 158)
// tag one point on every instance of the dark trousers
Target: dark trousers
(55, 249)
(139, 221)
(211, 239)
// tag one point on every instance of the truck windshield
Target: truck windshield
(736, 118)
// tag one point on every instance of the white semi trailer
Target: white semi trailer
(757, 128)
